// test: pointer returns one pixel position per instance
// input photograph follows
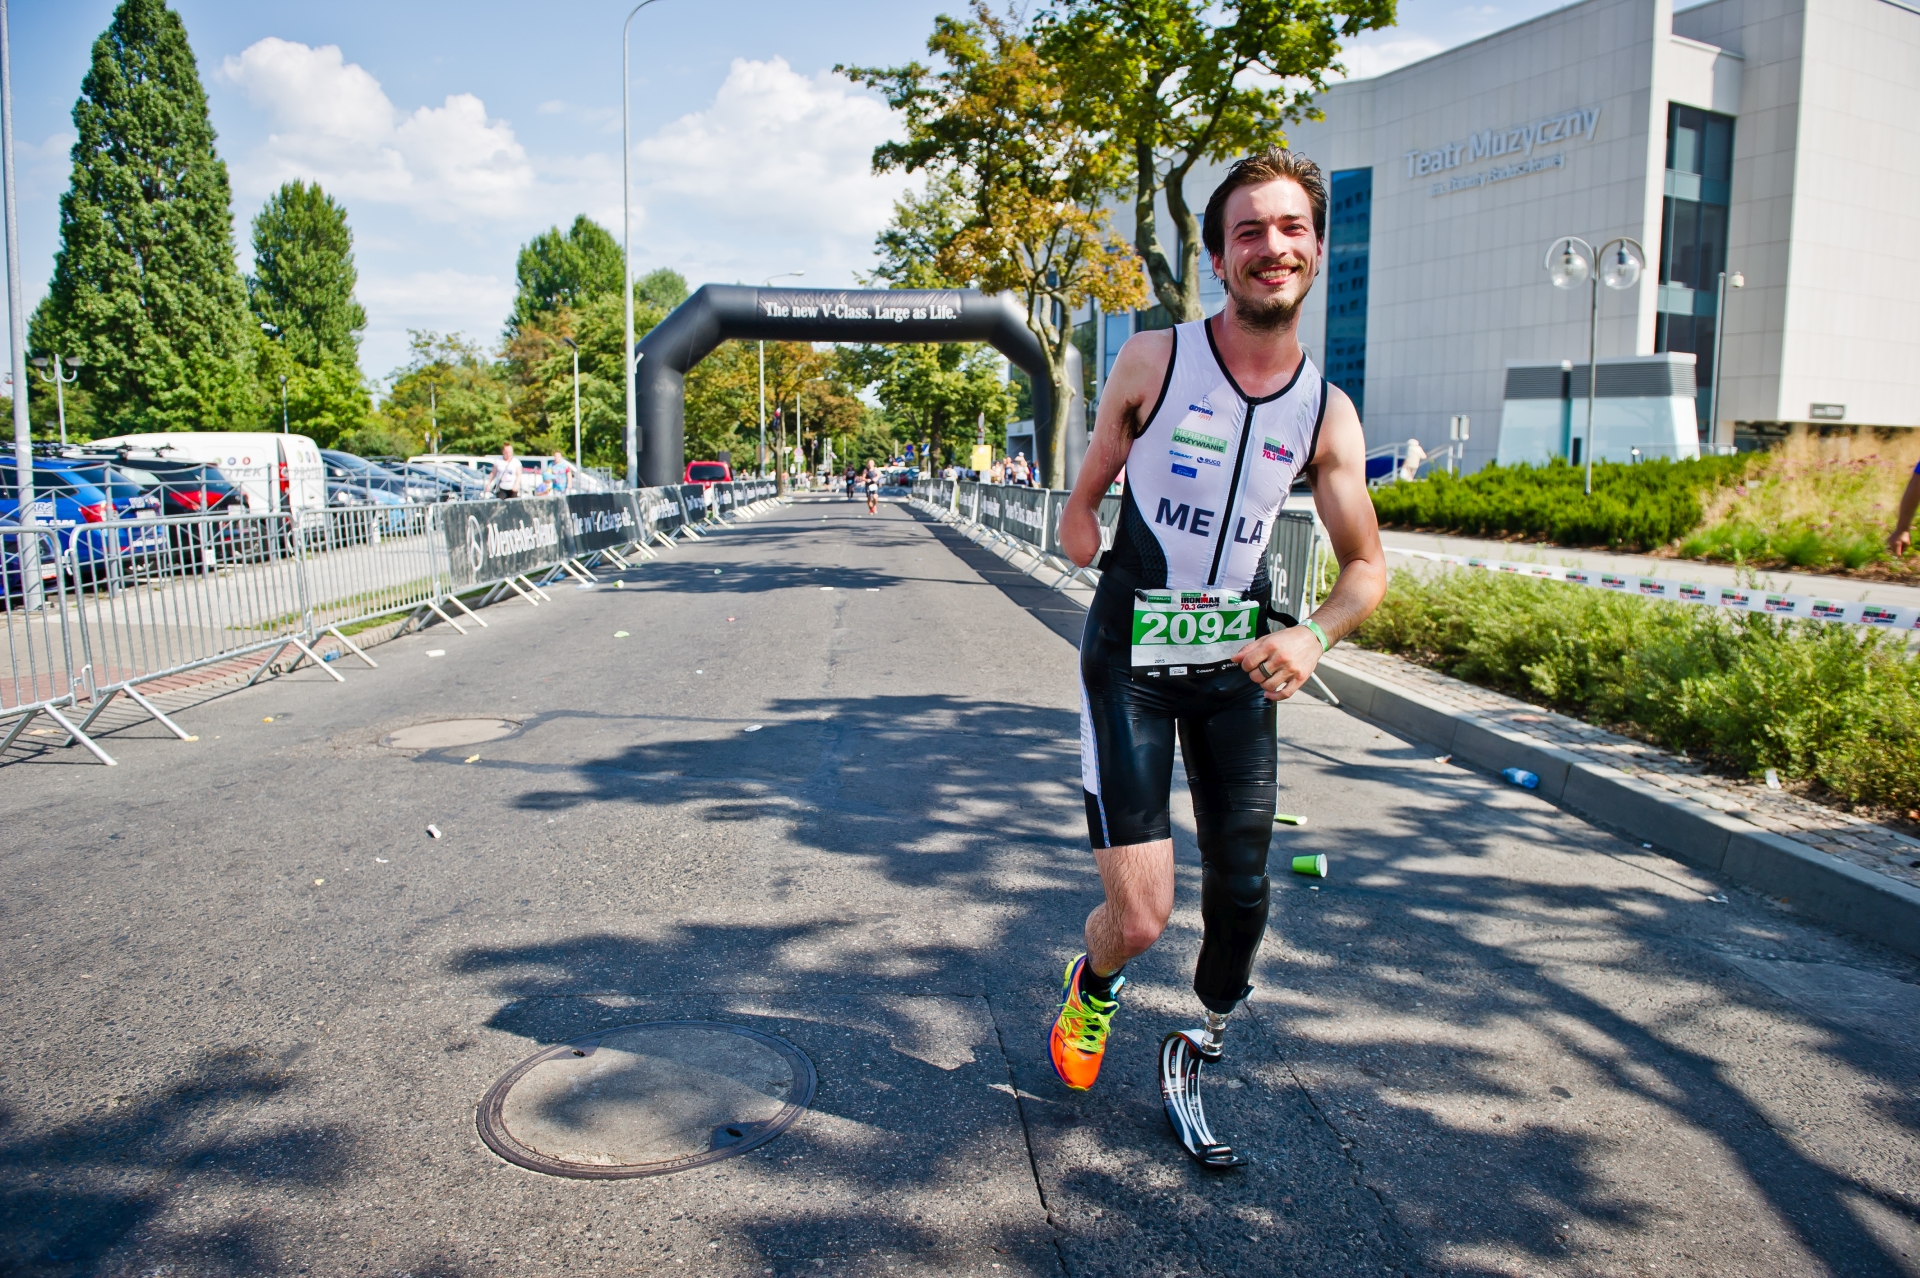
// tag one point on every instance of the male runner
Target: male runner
(1212, 420)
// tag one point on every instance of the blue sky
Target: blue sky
(454, 133)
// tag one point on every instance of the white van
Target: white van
(276, 472)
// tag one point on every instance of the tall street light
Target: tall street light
(29, 546)
(799, 438)
(61, 379)
(1735, 280)
(626, 244)
(571, 345)
(768, 283)
(283, 405)
(1621, 261)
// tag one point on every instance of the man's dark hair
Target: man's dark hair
(1269, 165)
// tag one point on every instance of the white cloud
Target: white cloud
(445, 301)
(1370, 56)
(775, 173)
(331, 122)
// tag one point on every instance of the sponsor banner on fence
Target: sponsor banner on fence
(1023, 512)
(601, 521)
(693, 502)
(1739, 599)
(493, 540)
(659, 511)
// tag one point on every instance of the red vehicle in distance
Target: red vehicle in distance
(709, 472)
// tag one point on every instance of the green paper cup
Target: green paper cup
(1314, 866)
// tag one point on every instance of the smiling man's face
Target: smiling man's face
(1272, 254)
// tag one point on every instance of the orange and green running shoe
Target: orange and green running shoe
(1079, 1038)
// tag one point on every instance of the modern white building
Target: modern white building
(1774, 139)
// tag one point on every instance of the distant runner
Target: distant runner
(1212, 420)
(872, 480)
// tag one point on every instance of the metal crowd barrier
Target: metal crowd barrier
(1027, 520)
(99, 611)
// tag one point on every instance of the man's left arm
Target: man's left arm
(1280, 663)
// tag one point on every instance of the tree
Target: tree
(145, 290)
(1178, 82)
(561, 270)
(539, 365)
(301, 290)
(451, 382)
(1035, 177)
(301, 293)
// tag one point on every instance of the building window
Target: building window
(1693, 239)
(1118, 330)
(1349, 229)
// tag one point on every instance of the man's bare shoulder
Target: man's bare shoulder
(1140, 369)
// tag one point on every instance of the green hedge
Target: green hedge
(1632, 507)
(1750, 692)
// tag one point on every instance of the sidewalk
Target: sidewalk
(1849, 589)
(1866, 844)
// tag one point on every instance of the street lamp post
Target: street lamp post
(767, 283)
(574, 347)
(626, 245)
(1624, 259)
(283, 405)
(1735, 280)
(433, 416)
(799, 438)
(61, 379)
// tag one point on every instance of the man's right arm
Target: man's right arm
(1139, 371)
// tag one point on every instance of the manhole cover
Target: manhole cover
(643, 1100)
(449, 732)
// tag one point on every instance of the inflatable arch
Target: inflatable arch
(719, 312)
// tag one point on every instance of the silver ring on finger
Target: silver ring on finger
(1265, 674)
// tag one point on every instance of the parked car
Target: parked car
(375, 507)
(183, 487)
(345, 468)
(455, 483)
(59, 496)
(708, 472)
(275, 473)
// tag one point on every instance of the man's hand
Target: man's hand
(1281, 662)
(1900, 543)
(1079, 533)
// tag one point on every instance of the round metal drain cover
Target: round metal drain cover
(643, 1100)
(449, 732)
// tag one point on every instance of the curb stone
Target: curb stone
(1819, 886)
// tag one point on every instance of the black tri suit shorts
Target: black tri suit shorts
(1128, 723)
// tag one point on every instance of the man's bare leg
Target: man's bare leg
(1138, 878)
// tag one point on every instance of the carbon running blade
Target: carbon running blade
(1180, 1062)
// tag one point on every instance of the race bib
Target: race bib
(1190, 632)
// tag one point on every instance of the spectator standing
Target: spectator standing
(506, 474)
(559, 474)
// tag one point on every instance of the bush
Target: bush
(1832, 702)
(1632, 507)
(1808, 515)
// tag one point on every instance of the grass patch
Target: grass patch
(1819, 516)
(1834, 703)
(1638, 507)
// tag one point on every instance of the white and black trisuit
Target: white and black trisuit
(1205, 480)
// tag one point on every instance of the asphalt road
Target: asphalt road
(251, 1004)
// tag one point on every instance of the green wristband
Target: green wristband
(1318, 633)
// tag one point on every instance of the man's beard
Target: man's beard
(1271, 314)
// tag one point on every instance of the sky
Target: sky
(453, 134)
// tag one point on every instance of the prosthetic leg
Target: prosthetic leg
(1234, 899)
(1181, 1054)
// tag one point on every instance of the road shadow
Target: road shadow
(72, 1191)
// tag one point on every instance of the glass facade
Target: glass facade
(1693, 239)
(1349, 229)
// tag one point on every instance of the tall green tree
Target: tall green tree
(145, 290)
(451, 383)
(1178, 82)
(301, 290)
(1037, 179)
(561, 269)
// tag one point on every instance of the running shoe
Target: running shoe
(1079, 1038)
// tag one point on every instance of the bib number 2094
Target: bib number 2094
(1190, 628)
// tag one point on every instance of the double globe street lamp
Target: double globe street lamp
(1570, 263)
(61, 379)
